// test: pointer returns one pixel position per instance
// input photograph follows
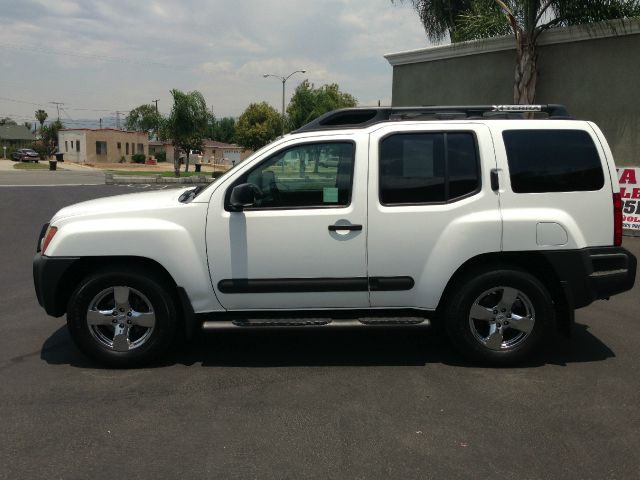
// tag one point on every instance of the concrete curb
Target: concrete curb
(111, 179)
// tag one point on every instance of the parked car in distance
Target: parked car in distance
(25, 155)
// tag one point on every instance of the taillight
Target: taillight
(47, 238)
(617, 219)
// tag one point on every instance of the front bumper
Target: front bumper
(48, 279)
(593, 273)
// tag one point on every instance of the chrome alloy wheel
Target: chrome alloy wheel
(501, 318)
(121, 318)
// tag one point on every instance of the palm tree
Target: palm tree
(525, 19)
(41, 116)
(186, 125)
(439, 17)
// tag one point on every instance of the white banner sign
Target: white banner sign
(630, 193)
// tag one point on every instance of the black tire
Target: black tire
(499, 343)
(90, 339)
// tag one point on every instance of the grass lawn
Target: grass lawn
(43, 165)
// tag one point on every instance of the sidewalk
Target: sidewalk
(7, 166)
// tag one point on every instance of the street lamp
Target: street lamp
(283, 80)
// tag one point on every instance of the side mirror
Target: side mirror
(242, 196)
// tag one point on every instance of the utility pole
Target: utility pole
(157, 122)
(100, 123)
(57, 104)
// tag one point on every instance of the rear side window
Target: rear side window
(552, 161)
(418, 168)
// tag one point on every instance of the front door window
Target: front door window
(312, 175)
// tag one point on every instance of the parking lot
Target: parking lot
(331, 404)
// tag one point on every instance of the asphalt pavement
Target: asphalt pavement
(326, 405)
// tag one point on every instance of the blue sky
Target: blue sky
(103, 56)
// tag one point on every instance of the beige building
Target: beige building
(213, 151)
(85, 145)
(221, 153)
(157, 146)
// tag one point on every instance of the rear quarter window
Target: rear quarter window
(552, 161)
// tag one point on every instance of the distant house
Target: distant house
(157, 146)
(106, 145)
(213, 151)
(16, 136)
(222, 153)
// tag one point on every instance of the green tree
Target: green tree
(222, 130)
(144, 118)
(525, 19)
(225, 130)
(28, 125)
(308, 102)
(41, 116)
(186, 125)
(258, 125)
(49, 135)
(7, 121)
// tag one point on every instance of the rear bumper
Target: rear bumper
(593, 273)
(48, 273)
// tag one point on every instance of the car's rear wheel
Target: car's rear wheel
(121, 318)
(499, 317)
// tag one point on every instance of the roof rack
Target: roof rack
(364, 117)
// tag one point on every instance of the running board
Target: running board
(313, 323)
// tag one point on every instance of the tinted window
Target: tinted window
(427, 167)
(309, 175)
(552, 161)
(462, 164)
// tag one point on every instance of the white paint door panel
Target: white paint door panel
(429, 241)
(286, 245)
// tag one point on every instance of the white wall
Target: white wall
(70, 153)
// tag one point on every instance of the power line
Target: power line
(42, 104)
(107, 58)
(66, 113)
(21, 101)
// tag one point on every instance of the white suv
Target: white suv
(497, 225)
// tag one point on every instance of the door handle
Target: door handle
(495, 183)
(334, 228)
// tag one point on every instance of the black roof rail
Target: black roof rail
(363, 117)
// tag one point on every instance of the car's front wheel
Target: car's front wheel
(122, 318)
(499, 317)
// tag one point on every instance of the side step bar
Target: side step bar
(312, 323)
